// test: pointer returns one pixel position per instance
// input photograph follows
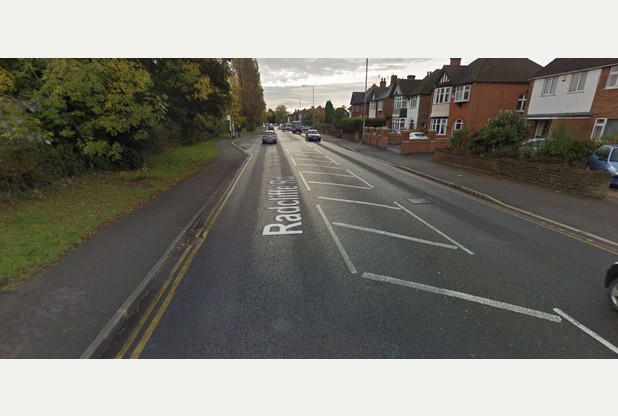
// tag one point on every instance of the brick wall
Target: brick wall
(605, 104)
(588, 183)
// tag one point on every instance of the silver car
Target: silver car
(269, 136)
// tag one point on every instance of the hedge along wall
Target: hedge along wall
(588, 183)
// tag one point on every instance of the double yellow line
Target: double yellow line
(173, 280)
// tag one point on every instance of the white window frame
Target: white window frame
(458, 125)
(578, 81)
(549, 86)
(399, 102)
(439, 124)
(413, 101)
(443, 79)
(462, 93)
(399, 123)
(442, 95)
(521, 103)
(372, 106)
(612, 78)
(598, 128)
(380, 105)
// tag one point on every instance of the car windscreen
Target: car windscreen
(614, 156)
(312, 131)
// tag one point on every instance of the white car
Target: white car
(417, 135)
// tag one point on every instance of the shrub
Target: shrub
(375, 122)
(352, 125)
(564, 146)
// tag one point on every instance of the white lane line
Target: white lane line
(328, 173)
(403, 237)
(319, 166)
(464, 296)
(436, 230)
(313, 159)
(293, 161)
(303, 178)
(586, 330)
(347, 260)
(358, 202)
(331, 159)
(368, 184)
(340, 184)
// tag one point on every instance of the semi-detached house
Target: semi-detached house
(581, 93)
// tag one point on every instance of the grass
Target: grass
(36, 232)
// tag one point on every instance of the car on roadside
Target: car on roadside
(312, 135)
(605, 158)
(304, 129)
(611, 283)
(269, 136)
(532, 145)
(417, 135)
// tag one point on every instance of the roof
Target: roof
(388, 92)
(425, 87)
(566, 65)
(357, 97)
(406, 86)
(503, 70)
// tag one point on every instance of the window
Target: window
(604, 128)
(521, 103)
(458, 124)
(612, 79)
(444, 78)
(414, 101)
(380, 105)
(398, 102)
(399, 123)
(412, 124)
(462, 93)
(442, 95)
(578, 80)
(439, 125)
(549, 86)
(542, 128)
(372, 106)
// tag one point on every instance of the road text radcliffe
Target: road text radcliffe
(285, 197)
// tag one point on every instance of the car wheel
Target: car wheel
(613, 293)
(319, 140)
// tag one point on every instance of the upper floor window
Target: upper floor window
(414, 101)
(612, 79)
(462, 93)
(372, 106)
(380, 105)
(578, 81)
(398, 102)
(521, 103)
(443, 79)
(442, 95)
(549, 86)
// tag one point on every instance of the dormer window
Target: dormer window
(578, 81)
(549, 86)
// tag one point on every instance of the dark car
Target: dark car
(605, 158)
(304, 129)
(312, 135)
(611, 283)
(269, 136)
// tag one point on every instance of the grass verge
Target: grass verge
(37, 232)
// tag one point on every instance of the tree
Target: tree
(281, 112)
(329, 115)
(251, 93)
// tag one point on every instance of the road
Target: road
(319, 252)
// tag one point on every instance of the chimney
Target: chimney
(411, 76)
(393, 79)
(455, 61)
(383, 83)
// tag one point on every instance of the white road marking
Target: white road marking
(358, 202)
(303, 178)
(319, 166)
(586, 330)
(464, 296)
(328, 173)
(331, 159)
(293, 161)
(340, 184)
(418, 201)
(436, 230)
(347, 260)
(313, 159)
(368, 184)
(403, 237)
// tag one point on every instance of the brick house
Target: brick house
(470, 95)
(374, 93)
(357, 104)
(581, 93)
(384, 102)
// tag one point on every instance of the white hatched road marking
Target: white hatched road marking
(587, 330)
(358, 202)
(347, 260)
(328, 173)
(403, 237)
(464, 296)
(436, 230)
(319, 166)
(340, 184)
(368, 184)
(304, 180)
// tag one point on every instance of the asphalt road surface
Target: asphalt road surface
(319, 252)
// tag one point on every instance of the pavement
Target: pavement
(74, 308)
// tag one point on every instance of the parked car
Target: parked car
(296, 127)
(304, 129)
(287, 127)
(417, 135)
(269, 136)
(605, 158)
(312, 135)
(533, 145)
(611, 283)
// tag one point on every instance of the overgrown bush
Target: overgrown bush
(564, 147)
(375, 122)
(352, 125)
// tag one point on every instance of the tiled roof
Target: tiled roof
(406, 86)
(426, 85)
(518, 70)
(566, 65)
(357, 97)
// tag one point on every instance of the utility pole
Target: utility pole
(365, 100)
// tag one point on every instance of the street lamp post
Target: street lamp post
(313, 104)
